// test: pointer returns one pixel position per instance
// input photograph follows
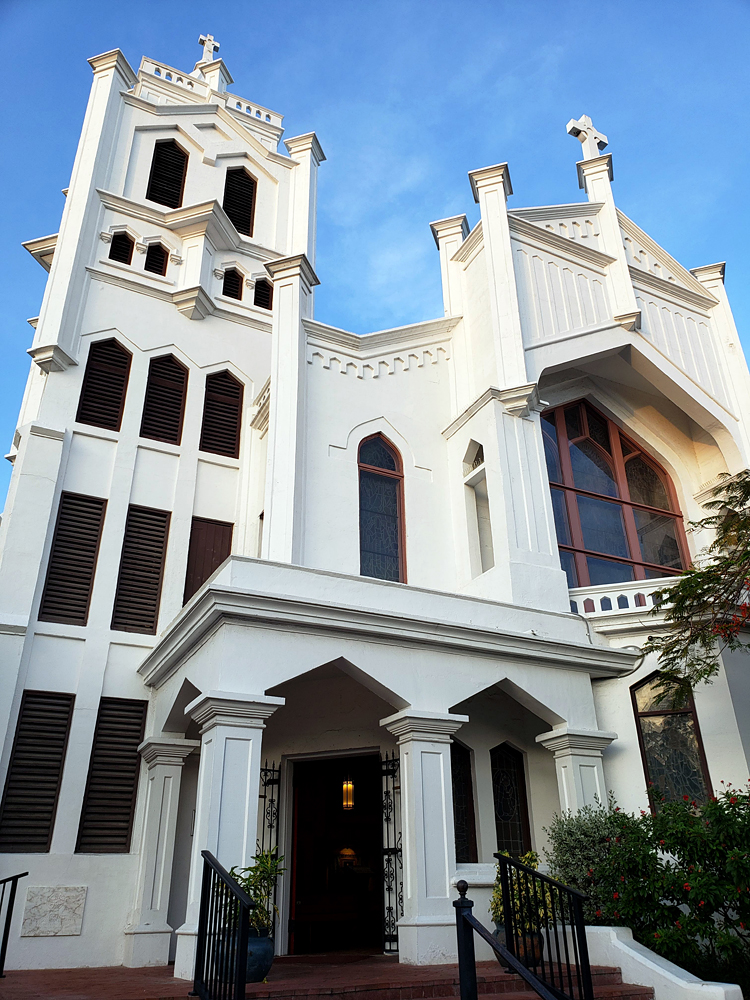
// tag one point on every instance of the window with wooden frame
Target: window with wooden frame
(263, 297)
(674, 760)
(121, 248)
(616, 511)
(166, 182)
(144, 549)
(164, 401)
(105, 383)
(32, 787)
(509, 796)
(222, 415)
(72, 560)
(239, 199)
(112, 784)
(464, 823)
(156, 259)
(210, 545)
(232, 286)
(381, 511)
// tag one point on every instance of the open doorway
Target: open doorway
(336, 870)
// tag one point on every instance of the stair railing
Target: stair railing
(223, 930)
(544, 935)
(9, 885)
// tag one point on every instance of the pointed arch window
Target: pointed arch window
(381, 511)
(615, 508)
(509, 797)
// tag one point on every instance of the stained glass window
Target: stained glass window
(615, 512)
(380, 511)
(463, 804)
(673, 757)
(509, 794)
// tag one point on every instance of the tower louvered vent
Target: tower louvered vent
(222, 413)
(164, 404)
(121, 248)
(112, 785)
(232, 284)
(141, 570)
(27, 814)
(156, 259)
(167, 179)
(239, 199)
(105, 383)
(210, 545)
(263, 294)
(72, 559)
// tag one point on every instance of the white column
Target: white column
(578, 762)
(307, 151)
(226, 809)
(427, 930)
(147, 939)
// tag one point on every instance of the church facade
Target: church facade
(376, 600)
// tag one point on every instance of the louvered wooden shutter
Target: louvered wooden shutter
(263, 294)
(72, 560)
(141, 570)
(109, 801)
(222, 413)
(167, 179)
(164, 403)
(27, 814)
(156, 259)
(232, 284)
(239, 199)
(121, 248)
(210, 545)
(105, 383)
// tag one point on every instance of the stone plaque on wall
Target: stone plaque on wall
(53, 910)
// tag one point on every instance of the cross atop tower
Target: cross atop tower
(592, 140)
(209, 47)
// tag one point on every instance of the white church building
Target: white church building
(377, 599)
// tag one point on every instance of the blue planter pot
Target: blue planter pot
(259, 956)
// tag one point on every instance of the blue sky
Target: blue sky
(406, 97)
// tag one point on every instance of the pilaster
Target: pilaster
(308, 153)
(578, 762)
(426, 932)
(147, 939)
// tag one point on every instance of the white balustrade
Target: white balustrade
(635, 596)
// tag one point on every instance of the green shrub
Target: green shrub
(679, 878)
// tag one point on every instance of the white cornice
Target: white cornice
(485, 176)
(368, 344)
(472, 243)
(665, 259)
(527, 232)
(543, 213)
(302, 143)
(710, 272)
(166, 750)
(42, 249)
(671, 290)
(564, 742)
(431, 727)
(114, 59)
(295, 266)
(227, 708)
(51, 358)
(518, 401)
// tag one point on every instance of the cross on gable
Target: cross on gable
(209, 47)
(592, 140)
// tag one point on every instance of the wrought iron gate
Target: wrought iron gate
(268, 810)
(393, 869)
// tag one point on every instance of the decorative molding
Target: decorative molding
(368, 345)
(522, 400)
(166, 750)
(114, 59)
(545, 213)
(671, 290)
(175, 258)
(589, 166)
(105, 237)
(141, 247)
(38, 430)
(431, 727)
(706, 489)
(652, 248)
(528, 232)
(51, 358)
(225, 708)
(630, 321)
(42, 249)
(304, 143)
(262, 406)
(470, 246)
(710, 272)
(377, 366)
(195, 302)
(485, 176)
(296, 266)
(566, 742)
(219, 273)
(457, 225)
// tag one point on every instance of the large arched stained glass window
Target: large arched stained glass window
(671, 744)
(381, 545)
(616, 511)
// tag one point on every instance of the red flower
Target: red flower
(617, 914)
(733, 799)
(686, 798)
(686, 887)
(678, 924)
(616, 895)
(661, 841)
(598, 913)
(657, 935)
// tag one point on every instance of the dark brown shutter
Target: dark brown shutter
(141, 570)
(72, 559)
(166, 181)
(222, 413)
(121, 248)
(232, 284)
(263, 294)
(164, 403)
(105, 383)
(239, 199)
(109, 802)
(210, 545)
(27, 814)
(156, 259)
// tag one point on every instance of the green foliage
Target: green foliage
(527, 914)
(679, 878)
(707, 609)
(259, 882)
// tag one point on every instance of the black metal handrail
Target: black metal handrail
(10, 884)
(223, 930)
(545, 935)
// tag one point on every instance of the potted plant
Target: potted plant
(259, 882)
(528, 916)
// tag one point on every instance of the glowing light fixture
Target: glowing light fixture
(348, 791)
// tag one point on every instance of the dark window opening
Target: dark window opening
(164, 402)
(381, 522)
(105, 383)
(121, 248)
(156, 259)
(222, 415)
(232, 284)
(463, 804)
(72, 559)
(210, 545)
(166, 181)
(509, 795)
(263, 294)
(139, 581)
(239, 199)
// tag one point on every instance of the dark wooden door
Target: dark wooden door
(337, 892)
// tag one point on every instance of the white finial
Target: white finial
(209, 47)
(592, 140)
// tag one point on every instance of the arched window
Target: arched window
(105, 383)
(670, 741)
(232, 283)
(121, 248)
(509, 795)
(166, 181)
(616, 511)
(263, 294)
(156, 259)
(464, 824)
(239, 199)
(381, 511)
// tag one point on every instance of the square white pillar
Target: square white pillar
(578, 762)
(427, 930)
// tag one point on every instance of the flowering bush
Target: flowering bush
(679, 878)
